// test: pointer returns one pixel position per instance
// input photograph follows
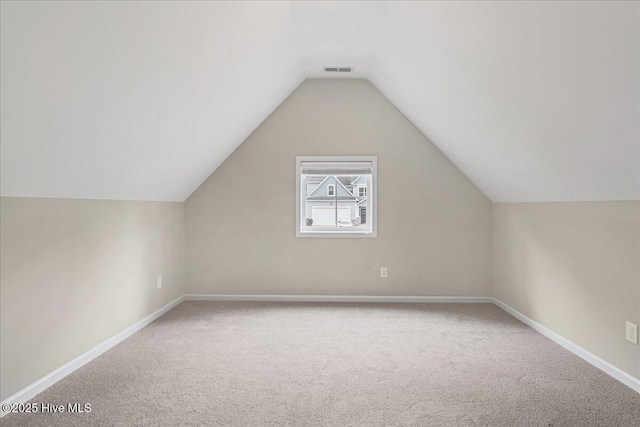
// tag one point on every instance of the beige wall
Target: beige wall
(434, 224)
(574, 267)
(76, 272)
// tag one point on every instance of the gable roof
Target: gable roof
(534, 101)
(338, 181)
(318, 186)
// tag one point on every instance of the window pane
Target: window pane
(331, 202)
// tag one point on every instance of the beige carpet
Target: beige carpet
(275, 364)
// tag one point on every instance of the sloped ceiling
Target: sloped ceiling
(136, 100)
(534, 101)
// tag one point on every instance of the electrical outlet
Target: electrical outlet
(632, 333)
(159, 282)
(383, 271)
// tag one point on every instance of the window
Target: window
(335, 196)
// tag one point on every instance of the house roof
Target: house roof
(328, 197)
(534, 101)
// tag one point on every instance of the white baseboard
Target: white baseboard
(337, 298)
(37, 387)
(47, 381)
(606, 367)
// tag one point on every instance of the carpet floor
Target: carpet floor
(320, 364)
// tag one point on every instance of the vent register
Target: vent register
(337, 69)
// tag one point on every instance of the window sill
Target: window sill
(337, 234)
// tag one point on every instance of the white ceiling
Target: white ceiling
(135, 100)
(534, 101)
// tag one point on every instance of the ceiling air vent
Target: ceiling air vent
(338, 69)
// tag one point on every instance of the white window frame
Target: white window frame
(331, 186)
(372, 198)
(362, 187)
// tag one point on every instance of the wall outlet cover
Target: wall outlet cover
(159, 282)
(632, 333)
(383, 271)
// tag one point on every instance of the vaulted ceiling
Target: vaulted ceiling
(534, 101)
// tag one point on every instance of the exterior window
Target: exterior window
(336, 196)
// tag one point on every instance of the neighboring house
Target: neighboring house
(358, 188)
(324, 192)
